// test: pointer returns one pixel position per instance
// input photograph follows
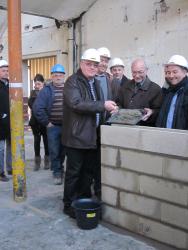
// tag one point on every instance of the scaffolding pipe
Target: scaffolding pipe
(16, 99)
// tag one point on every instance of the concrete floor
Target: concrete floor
(39, 224)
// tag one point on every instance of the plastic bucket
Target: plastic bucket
(87, 213)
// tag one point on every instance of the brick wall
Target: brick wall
(145, 181)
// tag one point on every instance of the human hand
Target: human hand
(147, 113)
(115, 110)
(110, 106)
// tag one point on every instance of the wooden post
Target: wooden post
(16, 99)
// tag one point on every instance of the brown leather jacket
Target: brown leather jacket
(149, 95)
(79, 112)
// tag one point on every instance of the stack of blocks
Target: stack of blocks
(145, 181)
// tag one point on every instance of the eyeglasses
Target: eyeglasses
(138, 72)
(91, 64)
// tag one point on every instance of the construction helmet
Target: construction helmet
(116, 62)
(3, 63)
(58, 68)
(178, 60)
(104, 52)
(91, 55)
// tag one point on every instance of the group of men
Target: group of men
(73, 112)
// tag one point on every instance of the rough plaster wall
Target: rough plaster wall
(3, 34)
(152, 29)
(45, 40)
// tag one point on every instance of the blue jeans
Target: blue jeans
(5, 152)
(56, 150)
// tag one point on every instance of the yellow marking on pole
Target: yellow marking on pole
(18, 151)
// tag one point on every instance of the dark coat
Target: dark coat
(116, 85)
(43, 104)
(4, 109)
(180, 118)
(37, 128)
(79, 120)
(149, 95)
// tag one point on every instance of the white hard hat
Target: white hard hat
(104, 52)
(177, 60)
(3, 63)
(116, 62)
(91, 55)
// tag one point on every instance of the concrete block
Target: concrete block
(109, 195)
(142, 162)
(163, 189)
(163, 233)
(174, 215)
(147, 227)
(141, 205)
(157, 140)
(120, 218)
(109, 156)
(176, 169)
(120, 179)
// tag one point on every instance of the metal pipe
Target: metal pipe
(16, 99)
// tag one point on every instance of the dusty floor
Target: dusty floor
(39, 224)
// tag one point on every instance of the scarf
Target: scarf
(179, 119)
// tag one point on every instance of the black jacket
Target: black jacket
(180, 118)
(79, 112)
(37, 128)
(116, 85)
(4, 110)
(149, 95)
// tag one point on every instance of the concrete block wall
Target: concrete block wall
(145, 181)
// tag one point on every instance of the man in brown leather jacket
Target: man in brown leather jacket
(83, 107)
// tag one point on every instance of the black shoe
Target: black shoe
(36, 168)
(37, 163)
(46, 162)
(69, 211)
(3, 177)
(9, 172)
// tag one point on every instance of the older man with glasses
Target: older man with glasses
(84, 107)
(141, 93)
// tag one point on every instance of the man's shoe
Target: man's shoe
(58, 181)
(9, 172)
(69, 211)
(3, 177)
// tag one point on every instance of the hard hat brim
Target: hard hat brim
(175, 64)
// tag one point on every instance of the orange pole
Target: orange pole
(16, 99)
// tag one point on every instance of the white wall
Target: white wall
(129, 28)
(41, 42)
(138, 28)
(48, 40)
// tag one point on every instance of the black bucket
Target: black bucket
(87, 213)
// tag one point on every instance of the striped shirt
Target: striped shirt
(93, 95)
(56, 114)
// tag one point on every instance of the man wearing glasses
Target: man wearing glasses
(141, 93)
(84, 108)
